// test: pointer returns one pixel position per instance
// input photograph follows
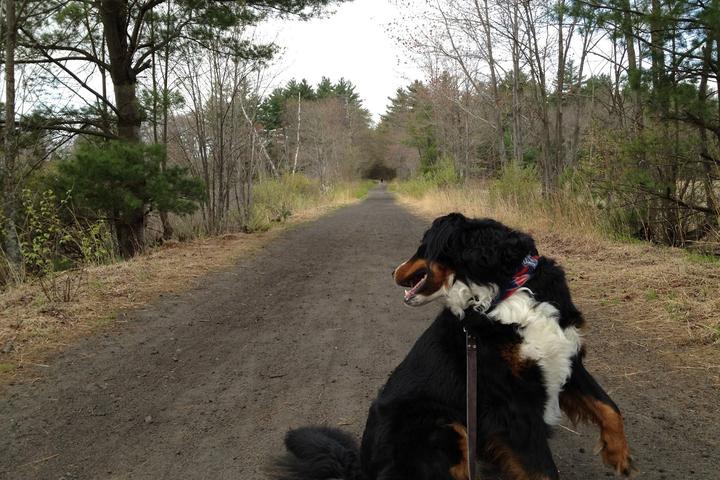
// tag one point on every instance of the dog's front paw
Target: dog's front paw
(616, 454)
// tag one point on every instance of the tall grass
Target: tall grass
(515, 197)
(440, 175)
(276, 199)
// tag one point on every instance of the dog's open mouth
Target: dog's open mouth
(416, 283)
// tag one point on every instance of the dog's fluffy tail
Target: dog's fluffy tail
(318, 453)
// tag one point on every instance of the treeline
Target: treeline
(120, 116)
(614, 103)
(322, 130)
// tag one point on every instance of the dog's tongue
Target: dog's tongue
(411, 293)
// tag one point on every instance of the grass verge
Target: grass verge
(32, 328)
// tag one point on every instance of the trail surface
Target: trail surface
(203, 385)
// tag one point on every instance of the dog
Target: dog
(530, 369)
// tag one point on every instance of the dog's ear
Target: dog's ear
(438, 239)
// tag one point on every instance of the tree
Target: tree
(117, 40)
(216, 133)
(10, 143)
(114, 180)
(332, 129)
(461, 31)
(672, 51)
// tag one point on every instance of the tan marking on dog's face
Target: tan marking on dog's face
(423, 279)
(407, 270)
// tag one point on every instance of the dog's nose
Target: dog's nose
(392, 274)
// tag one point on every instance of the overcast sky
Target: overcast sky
(352, 43)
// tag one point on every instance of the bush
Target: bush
(441, 174)
(518, 183)
(276, 199)
(53, 239)
(56, 246)
(123, 182)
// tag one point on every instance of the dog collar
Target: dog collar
(521, 277)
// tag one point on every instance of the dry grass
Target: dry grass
(32, 328)
(665, 295)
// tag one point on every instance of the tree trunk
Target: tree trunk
(537, 70)
(516, 91)
(634, 80)
(297, 139)
(130, 233)
(558, 157)
(114, 15)
(657, 56)
(9, 188)
(711, 200)
(166, 225)
(500, 128)
(571, 156)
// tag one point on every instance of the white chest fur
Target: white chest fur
(543, 340)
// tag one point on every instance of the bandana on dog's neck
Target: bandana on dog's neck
(521, 277)
(483, 298)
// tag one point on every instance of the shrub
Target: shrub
(56, 246)
(276, 199)
(517, 183)
(440, 174)
(123, 182)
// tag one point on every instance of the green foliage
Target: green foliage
(411, 111)
(56, 246)
(114, 180)
(362, 188)
(44, 237)
(440, 175)
(53, 239)
(518, 183)
(276, 199)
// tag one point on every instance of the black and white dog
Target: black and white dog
(530, 369)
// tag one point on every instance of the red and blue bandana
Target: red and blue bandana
(521, 277)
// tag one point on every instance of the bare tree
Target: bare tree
(10, 143)
(216, 134)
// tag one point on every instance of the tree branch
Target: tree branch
(45, 48)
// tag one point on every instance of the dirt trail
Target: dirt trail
(203, 385)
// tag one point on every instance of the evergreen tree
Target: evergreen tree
(116, 180)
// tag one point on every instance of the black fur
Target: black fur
(316, 453)
(411, 430)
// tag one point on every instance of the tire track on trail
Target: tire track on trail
(204, 384)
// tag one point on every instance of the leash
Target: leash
(471, 347)
(527, 268)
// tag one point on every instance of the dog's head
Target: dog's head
(473, 251)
